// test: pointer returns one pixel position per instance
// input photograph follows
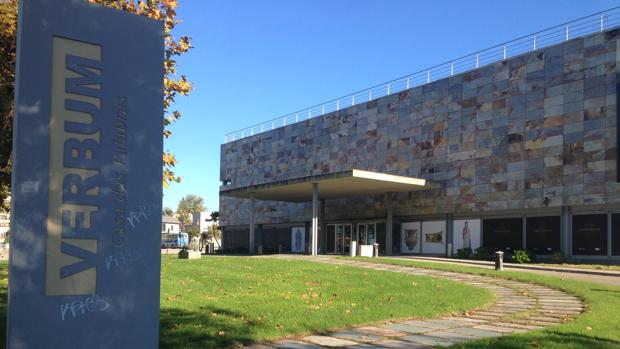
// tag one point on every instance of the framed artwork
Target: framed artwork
(298, 239)
(466, 233)
(434, 237)
(410, 237)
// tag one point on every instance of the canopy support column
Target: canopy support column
(252, 231)
(388, 224)
(315, 218)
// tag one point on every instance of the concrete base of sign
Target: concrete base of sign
(188, 254)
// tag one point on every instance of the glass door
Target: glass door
(330, 238)
(361, 234)
(371, 233)
(348, 231)
(339, 239)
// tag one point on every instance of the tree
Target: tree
(163, 10)
(8, 26)
(167, 211)
(187, 206)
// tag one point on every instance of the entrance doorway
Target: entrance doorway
(339, 238)
(366, 233)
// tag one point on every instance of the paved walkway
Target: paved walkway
(518, 307)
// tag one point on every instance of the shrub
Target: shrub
(523, 256)
(483, 253)
(557, 256)
(464, 252)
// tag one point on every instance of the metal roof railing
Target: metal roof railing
(597, 22)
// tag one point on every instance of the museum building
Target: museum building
(517, 153)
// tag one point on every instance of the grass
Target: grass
(220, 302)
(605, 267)
(597, 328)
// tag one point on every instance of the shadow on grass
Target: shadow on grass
(212, 327)
(544, 340)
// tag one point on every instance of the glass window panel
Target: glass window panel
(615, 234)
(590, 234)
(503, 233)
(543, 234)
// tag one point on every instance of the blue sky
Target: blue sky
(256, 60)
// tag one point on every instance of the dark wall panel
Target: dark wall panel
(590, 234)
(543, 234)
(503, 233)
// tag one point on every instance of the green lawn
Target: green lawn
(604, 267)
(219, 302)
(598, 328)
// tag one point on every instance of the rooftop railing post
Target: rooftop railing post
(309, 113)
(296, 117)
(273, 124)
(567, 32)
(338, 105)
(451, 69)
(353, 100)
(323, 110)
(241, 133)
(428, 76)
(408, 83)
(252, 131)
(504, 51)
(534, 41)
(388, 89)
(369, 95)
(284, 121)
(602, 22)
(262, 127)
(477, 60)
(233, 137)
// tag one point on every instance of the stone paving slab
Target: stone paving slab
(518, 307)
(328, 341)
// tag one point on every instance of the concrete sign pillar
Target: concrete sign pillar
(85, 258)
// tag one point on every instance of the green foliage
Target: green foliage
(8, 25)
(557, 256)
(167, 211)
(213, 231)
(523, 256)
(464, 253)
(484, 253)
(193, 231)
(189, 204)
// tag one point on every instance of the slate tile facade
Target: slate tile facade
(533, 131)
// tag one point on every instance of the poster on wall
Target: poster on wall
(466, 234)
(410, 237)
(298, 239)
(434, 237)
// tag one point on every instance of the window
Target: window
(543, 234)
(503, 233)
(590, 234)
(615, 234)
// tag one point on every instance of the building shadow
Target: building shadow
(211, 327)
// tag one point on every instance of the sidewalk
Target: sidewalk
(606, 277)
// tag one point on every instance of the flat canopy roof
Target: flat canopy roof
(331, 186)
